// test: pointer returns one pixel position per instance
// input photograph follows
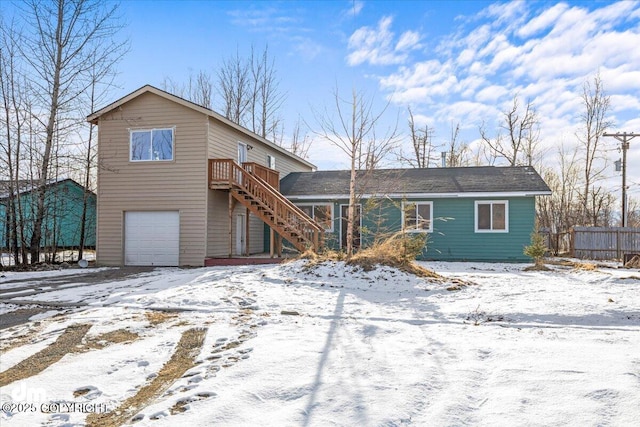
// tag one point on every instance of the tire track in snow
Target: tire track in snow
(33, 365)
(183, 359)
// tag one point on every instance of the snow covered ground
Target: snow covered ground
(288, 345)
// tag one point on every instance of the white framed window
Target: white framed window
(322, 213)
(151, 145)
(492, 216)
(271, 161)
(417, 216)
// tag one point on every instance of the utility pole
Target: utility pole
(624, 138)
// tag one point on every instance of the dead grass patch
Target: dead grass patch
(112, 337)
(398, 251)
(537, 267)
(633, 262)
(182, 359)
(587, 266)
(66, 343)
(30, 336)
(156, 317)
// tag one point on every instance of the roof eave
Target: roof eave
(494, 194)
(94, 117)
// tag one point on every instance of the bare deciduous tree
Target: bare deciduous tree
(300, 144)
(519, 143)
(594, 120)
(561, 210)
(198, 88)
(422, 148)
(234, 89)
(457, 152)
(266, 97)
(351, 127)
(61, 41)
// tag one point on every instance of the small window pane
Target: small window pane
(163, 144)
(141, 145)
(410, 217)
(484, 217)
(499, 222)
(322, 215)
(424, 217)
(307, 209)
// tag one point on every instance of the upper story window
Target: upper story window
(321, 213)
(417, 216)
(151, 145)
(492, 216)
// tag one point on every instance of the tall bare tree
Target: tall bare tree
(300, 144)
(421, 146)
(595, 123)
(234, 87)
(350, 126)
(561, 210)
(18, 123)
(198, 89)
(62, 40)
(457, 152)
(266, 97)
(517, 139)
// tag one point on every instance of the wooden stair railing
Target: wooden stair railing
(251, 187)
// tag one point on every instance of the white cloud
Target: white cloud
(376, 45)
(539, 53)
(306, 48)
(491, 94)
(542, 21)
(268, 19)
(408, 40)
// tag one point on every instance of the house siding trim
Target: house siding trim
(420, 195)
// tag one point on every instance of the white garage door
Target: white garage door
(152, 238)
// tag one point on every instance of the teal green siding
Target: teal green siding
(63, 215)
(454, 237)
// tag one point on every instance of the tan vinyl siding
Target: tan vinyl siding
(218, 224)
(180, 184)
(223, 144)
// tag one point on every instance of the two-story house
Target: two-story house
(178, 183)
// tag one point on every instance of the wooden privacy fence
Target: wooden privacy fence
(604, 242)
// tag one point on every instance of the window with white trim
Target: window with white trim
(150, 145)
(271, 161)
(321, 213)
(492, 216)
(417, 216)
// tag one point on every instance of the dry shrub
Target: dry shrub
(634, 262)
(575, 264)
(398, 251)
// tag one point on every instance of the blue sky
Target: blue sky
(451, 61)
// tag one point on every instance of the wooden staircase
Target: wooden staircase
(256, 188)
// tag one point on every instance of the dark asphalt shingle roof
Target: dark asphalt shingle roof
(486, 179)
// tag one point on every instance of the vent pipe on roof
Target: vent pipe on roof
(444, 158)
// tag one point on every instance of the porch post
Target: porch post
(230, 225)
(247, 233)
(272, 242)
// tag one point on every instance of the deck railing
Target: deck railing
(288, 219)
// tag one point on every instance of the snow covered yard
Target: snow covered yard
(288, 345)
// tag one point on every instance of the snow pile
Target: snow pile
(335, 345)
